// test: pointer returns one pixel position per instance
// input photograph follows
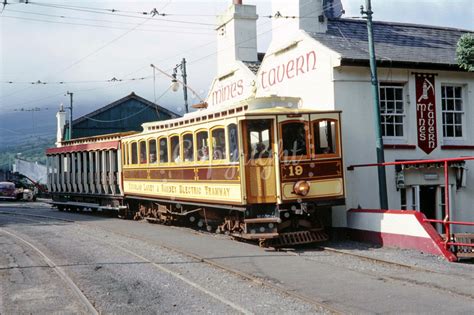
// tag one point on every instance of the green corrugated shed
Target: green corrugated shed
(126, 114)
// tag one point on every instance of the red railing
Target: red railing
(446, 222)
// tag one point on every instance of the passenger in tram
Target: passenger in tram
(204, 154)
(218, 153)
(261, 151)
(188, 155)
(152, 158)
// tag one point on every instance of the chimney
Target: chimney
(236, 35)
(61, 122)
(310, 16)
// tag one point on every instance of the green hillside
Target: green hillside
(31, 150)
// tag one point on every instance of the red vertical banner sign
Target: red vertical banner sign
(426, 112)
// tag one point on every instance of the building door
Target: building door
(259, 149)
(428, 201)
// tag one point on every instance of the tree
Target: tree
(465, 52)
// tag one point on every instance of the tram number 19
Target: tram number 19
(295, 170)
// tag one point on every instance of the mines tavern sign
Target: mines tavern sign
(426, 112)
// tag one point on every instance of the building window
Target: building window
(392, 111)
(453, 111)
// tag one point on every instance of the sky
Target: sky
(85, 45)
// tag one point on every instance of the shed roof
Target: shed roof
(122, 100)
(395, 43)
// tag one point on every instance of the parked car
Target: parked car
(9, 191)
(17, 191)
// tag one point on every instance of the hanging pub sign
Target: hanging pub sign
(426, 112)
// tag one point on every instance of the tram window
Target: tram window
(163, 150)
(218, 144)
(259, 138)
(233, 143)
(152, 151)
(294, 137)
(124, 152)
(175, 156)
(142, 148)
(202, 142)
(325, 136)
(134, 153)
(188, 148)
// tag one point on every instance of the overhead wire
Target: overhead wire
(204, 57)
(93, 20)
(121, 15)
(114, 79)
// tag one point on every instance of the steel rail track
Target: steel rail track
(62, 274)
(193, 256)
(262, 281)
(166, 270)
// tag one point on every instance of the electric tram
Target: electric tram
(263, 169)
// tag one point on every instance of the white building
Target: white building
(325, 62)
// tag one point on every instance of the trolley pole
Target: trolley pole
(70, 113)
(375, 93)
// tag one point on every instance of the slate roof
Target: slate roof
(120, 101)
(253, 65)
(395, 43)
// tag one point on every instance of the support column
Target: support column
(55, 173)
(73, 171)
(91, 171)
(112, 171)
(85, 172)
(68, 171)
(48, 174)
(62, 167)
(119, 170)
(97, 172)
(79, 172)
(103, 171)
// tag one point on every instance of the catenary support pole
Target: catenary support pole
(376, 101)
(70, 114)
(185, 85)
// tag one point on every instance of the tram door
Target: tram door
(259, 146)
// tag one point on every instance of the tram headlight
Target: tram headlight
(301, 188)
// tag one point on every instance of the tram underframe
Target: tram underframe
(269, 225)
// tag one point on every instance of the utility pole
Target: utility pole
(376, 107)
(185, 85)
(182, 66)
(70, 113)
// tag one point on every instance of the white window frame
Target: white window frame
(394, 139)
(454, 140)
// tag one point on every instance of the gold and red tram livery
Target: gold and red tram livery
(262, 169)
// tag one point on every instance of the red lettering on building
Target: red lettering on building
(288, 70)
(227, 92)
(426, 112)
